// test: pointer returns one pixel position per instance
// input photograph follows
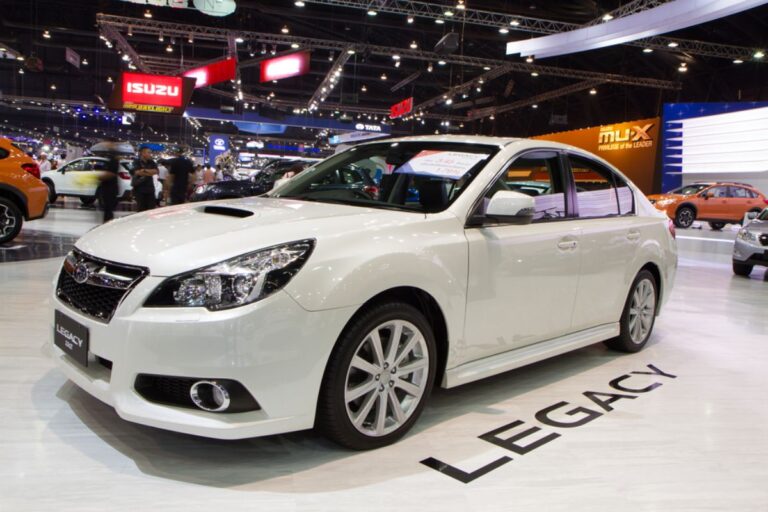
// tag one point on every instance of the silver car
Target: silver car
(751, 247)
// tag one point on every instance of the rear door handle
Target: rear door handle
(633, 235)
(567, 244)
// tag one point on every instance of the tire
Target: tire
(684, 217)
(87, 201)
(742, 269)
(635, 334)
(11, 220)
(716, 226)
(374, 380)
(52, 195)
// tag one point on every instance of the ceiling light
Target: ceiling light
(593, 91)
(284, 30)
(448, 13)
(294, 45)
(503, 30)
(351, 51)
(429, 68)
(397, 64)
(190, 40)
(514, 23)
(239, 40)
(529, 59)
(441, 63)
(414, 45)
(47, 34)
(439, 21)
(53, 87)
(364, 88)
(371, 12)
(487, 68)
(299, 3)
(535, 74)
(448, 101)
(738, 61)
(395, 57)
(479, 89)
(673, 44)
(169, 48)
(109, 79)
(647, 50)
(383, 76)
(492, 117)
(147, 13)
(607, 17)
(126, 58)
(409, 19)
(759, 54)
(682, 69)
(460, 5)
(534, 106)
(21, 71)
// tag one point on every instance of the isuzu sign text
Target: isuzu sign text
(152, 89)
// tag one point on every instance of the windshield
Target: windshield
(763, 215)
(689, 190)
(414, 176)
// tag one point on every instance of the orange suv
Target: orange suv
(718, 203)
(22, 194)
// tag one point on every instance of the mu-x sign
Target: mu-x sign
(635, 134)
(145, 89)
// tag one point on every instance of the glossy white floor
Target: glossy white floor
(697, 442)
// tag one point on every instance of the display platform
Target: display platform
(668, 436)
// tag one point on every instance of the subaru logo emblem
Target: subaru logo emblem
(81, 273)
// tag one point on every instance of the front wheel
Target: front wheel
(684, 217)
(11, 220)
(378, 377)
(742, 269)
(639, 314)
(717, 226)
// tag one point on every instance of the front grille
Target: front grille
(106, 285)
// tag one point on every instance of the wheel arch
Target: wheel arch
(16, 197)
(689, 205)
(656, 273)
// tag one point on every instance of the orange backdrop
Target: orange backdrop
(631, 146)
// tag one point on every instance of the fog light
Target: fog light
(209, 396)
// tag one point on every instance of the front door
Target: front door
(523, 279)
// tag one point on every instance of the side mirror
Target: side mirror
(511, 207)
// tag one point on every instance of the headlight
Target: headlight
(746, 235)
(234, 282)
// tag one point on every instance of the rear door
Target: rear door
(714, 203)
(69, 175)
(742, 201)
(610, 235)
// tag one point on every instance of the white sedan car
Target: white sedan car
(329, 307)
(79, 178)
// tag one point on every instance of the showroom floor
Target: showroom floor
(697, 442)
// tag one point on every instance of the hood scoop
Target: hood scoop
(227, 211)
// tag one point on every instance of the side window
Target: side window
(77, 165)
(350, 176)
(539, 175)
(718, 192)
(596, 193)
(99, 165)
(740, 193)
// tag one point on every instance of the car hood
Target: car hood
(181, 238)
(664, 197)
(758, 226)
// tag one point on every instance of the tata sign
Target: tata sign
(152, 93)
(217, 144)
(361, 127)
(213, 73)
(294, 64)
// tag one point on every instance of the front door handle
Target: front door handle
(567, 244)
(633, 235)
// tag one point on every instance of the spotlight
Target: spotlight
(529, 60)
(47, 34)
(148, 14)
(414, 45)
(294, 45)
(607, 17)
(409, 19)
(460, 5)
(299, 3)
(383, 76)
(673, 44)
(534, 106)
(759, 54)
(109, 79)
(371, 12)
(593, 91)
(514, 23)
(285, 30)
(351, 51)
(534, 74)
(439, 21)
(503, 30)
(190, 40)
(364, 88)
(169, 48)
(441, 63)
(647, 50)
(239, 40)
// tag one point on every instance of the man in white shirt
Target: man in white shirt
(44, 164)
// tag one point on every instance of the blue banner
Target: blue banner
(217, 144)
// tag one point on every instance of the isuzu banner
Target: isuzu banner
(631, 146)
(151, 93)
(213, 73)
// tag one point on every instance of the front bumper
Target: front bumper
(750, 253)
(275, 348)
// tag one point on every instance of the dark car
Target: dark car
(257, 184)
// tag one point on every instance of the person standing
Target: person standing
(181, 176)
(107, 190)
(44, 164)
(209, 175)
(142, 181)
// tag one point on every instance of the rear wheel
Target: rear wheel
(639, 314)
(742, 269)
(717, 226)
(11, 220)
(378, 377)
(684, 217)
(52, 195)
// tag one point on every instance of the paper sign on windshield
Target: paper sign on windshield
(442, 164)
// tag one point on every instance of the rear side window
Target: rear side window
(3, 153)
(599, 191)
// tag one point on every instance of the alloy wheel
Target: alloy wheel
(7, 221)
(685, 217)
(641, 311)
(387, 377)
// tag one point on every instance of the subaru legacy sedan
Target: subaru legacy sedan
(332, 308)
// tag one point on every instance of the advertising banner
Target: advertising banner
(400, 109)
(213, 73)
(217, 144)
(631, 146)
(151, 93)
(72, 57)
(294, 64)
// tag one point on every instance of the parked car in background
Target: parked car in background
(259, 183)
(751, 247)
(717, 203)
(330, 308)
(80, 178)
(22, 195)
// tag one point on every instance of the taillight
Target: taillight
(765, 201)
(124, 175)
(372, 190)
(671, 227)
(32, 169)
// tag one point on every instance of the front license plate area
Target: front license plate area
(71, 337)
